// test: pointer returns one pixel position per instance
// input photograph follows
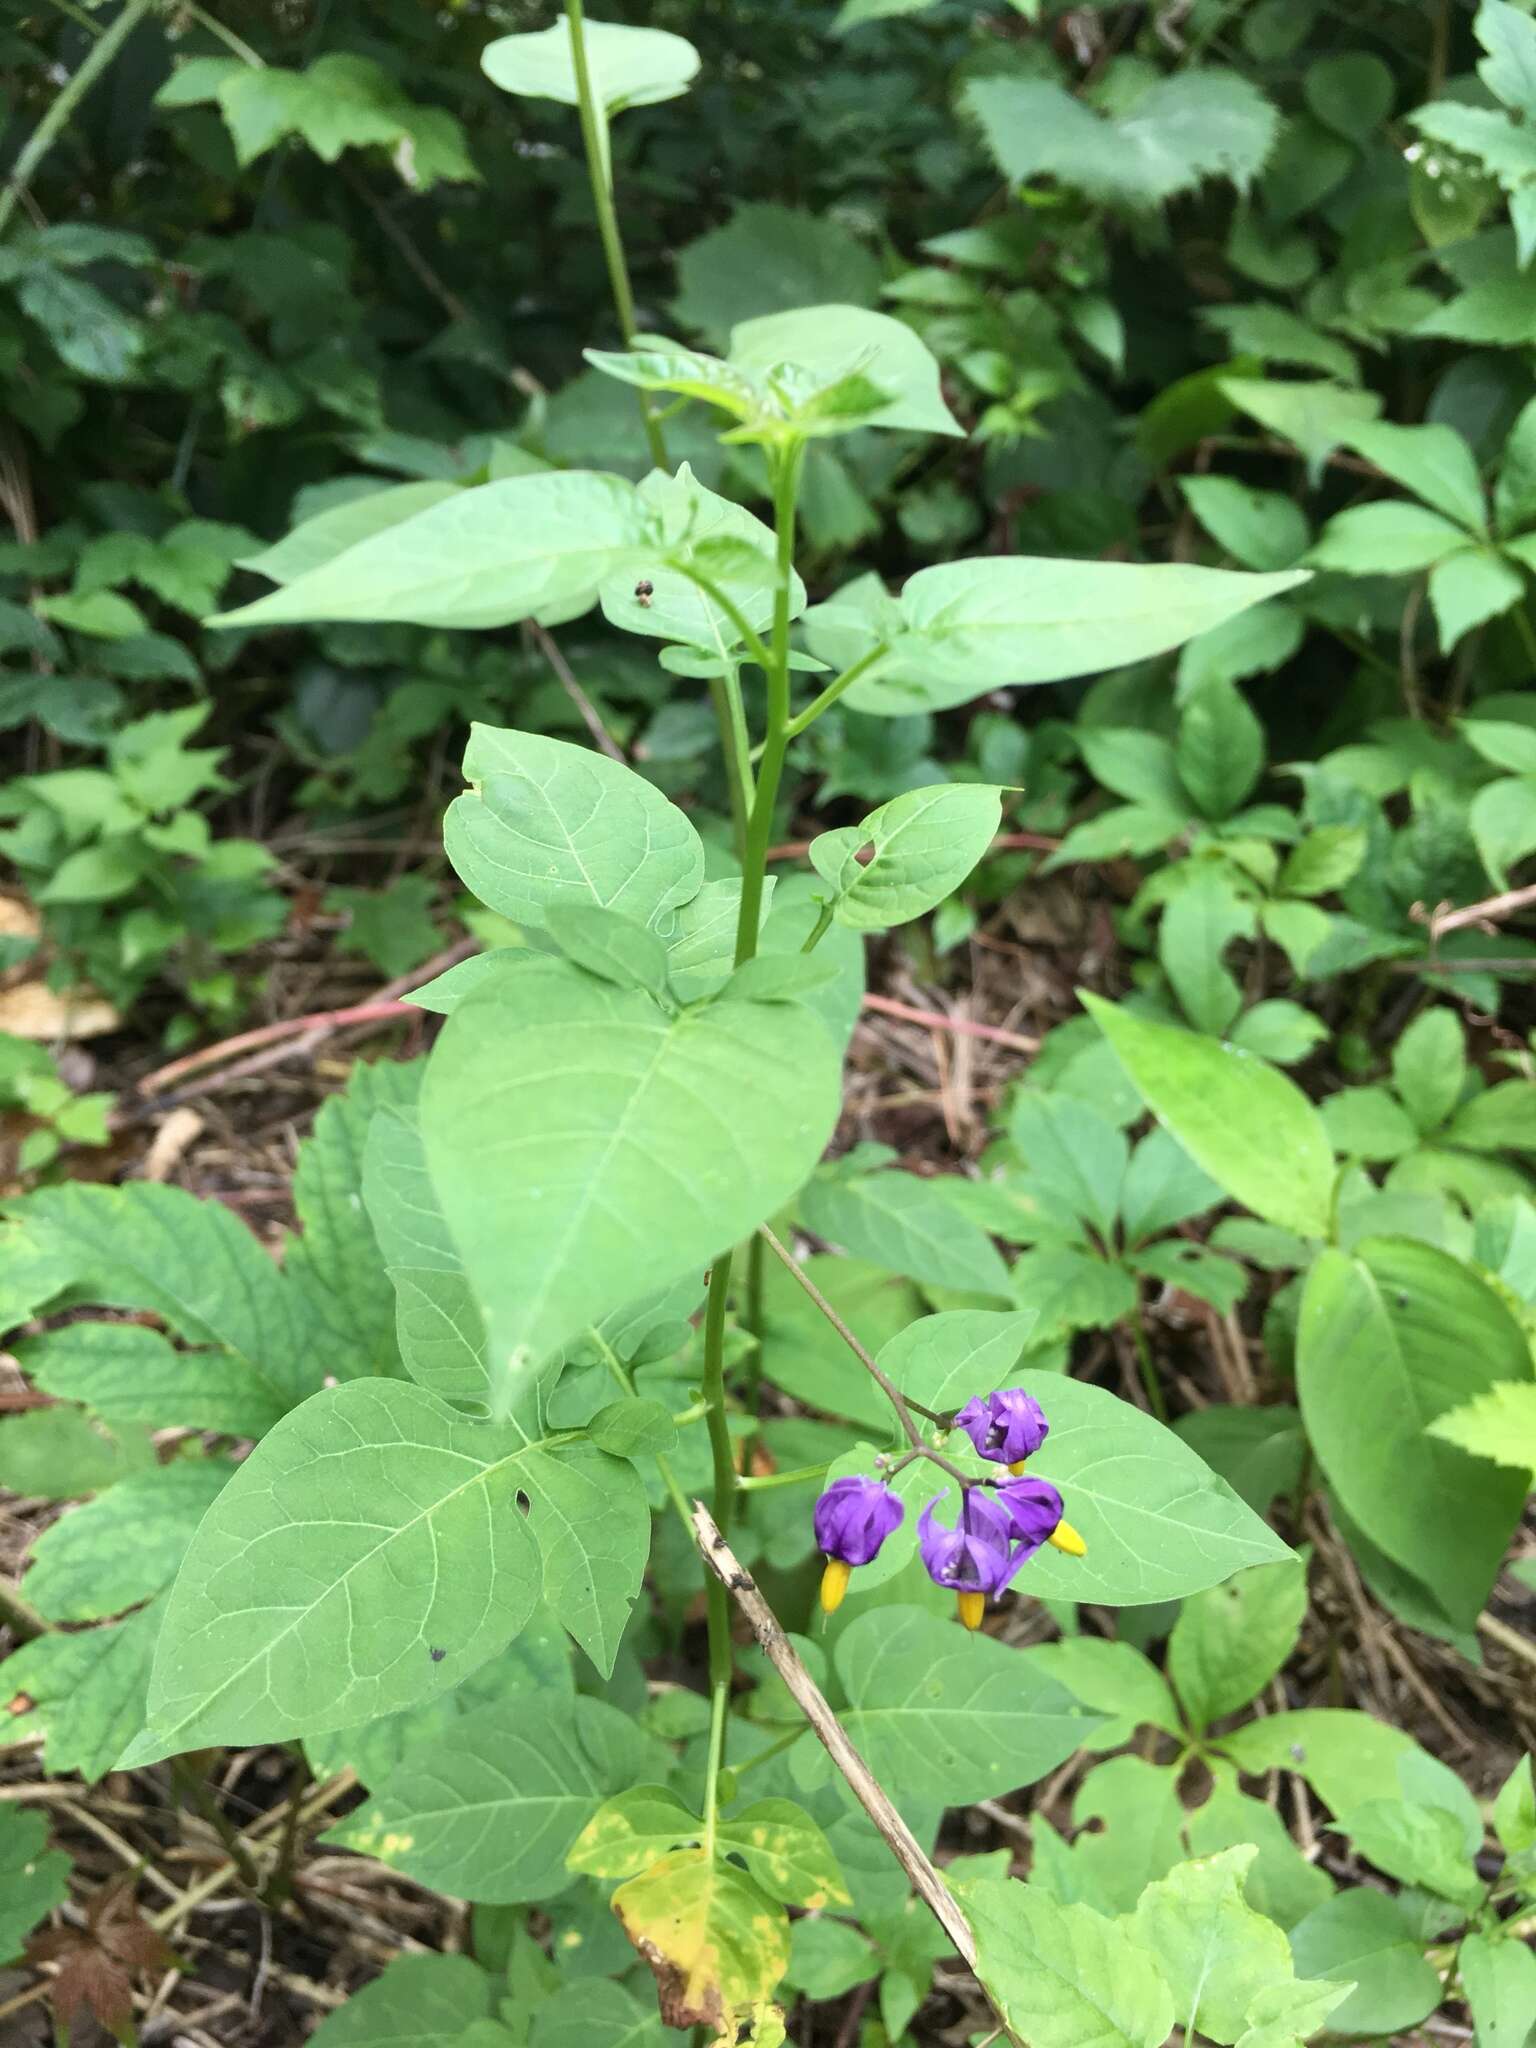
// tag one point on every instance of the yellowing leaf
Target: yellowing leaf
(716, 1945)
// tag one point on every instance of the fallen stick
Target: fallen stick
(812, 1702)
(965, 1027)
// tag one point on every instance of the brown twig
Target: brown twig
(828, 1730)
(1487, 913)
(590, 718)
(939, 1020)
(382, 1007)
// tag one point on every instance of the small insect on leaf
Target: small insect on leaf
(437, 1656)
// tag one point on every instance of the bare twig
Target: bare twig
(601, 736)
(1487, 913)
(964, 1027)
(828, 1730)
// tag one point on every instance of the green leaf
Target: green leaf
(588, 1148)
(1351, 93)
(1499, 1973)
(592, 2012)
(1434, 462)
(1469, 588)
(129, 1375)
(438, 1326)
(526, 546)
(936, 1710)
(1282, 1884)
(836, 341)
(314, 1594)
(546, 822)
(693, 527)
(1259, 529)
(194, 1263)
(917, 850)
(1429, 1067)
(491, 1815)
(1258, 1451)
(87, 1689)
(126, 1545)
(629, 67)
(1076, 1159)
(1419, 1845)
(1500, 1119)
(1345, 1756)
(1162, 1187)
(58, 1454)
(962, 628)
(1065, 1976)
(1367, 1123)
(1157, 1522)
(314, 542)
(1514, 1811)
(425, 2001)
(610, 945)
(766, 259)
(828, 1957)
(1499, 1426)
(1196, 929)
(1325, 860)
(907, 1225)
(1276, 335)
(1316, 416)
(633, 1429)
(1230, 1640)
(714, 1940)
(1390, 538)
(1509, 70)
(1280, 1031)
(1220, 748)
(1388, 1342)
(1179, 130)
(1216, 1953)
(1249, 1127)
(1364, 1937)
(336, 1264)
(33, 1878)
(1114, 1679)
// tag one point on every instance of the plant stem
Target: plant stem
(750, 639)
(594, 137)
(736, 768)
(37, 145)
(819, 929)
(835, 689)
(1149, 1379)
(719, 1699)
(764, 1480)
(786, 489)
(194, 1789)
(887, 1386)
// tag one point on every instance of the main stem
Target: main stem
(786, 485)
(53, 123)
(594, 137)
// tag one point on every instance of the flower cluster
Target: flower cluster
(1001, 1524)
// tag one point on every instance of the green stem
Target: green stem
(196, 1790)
(1149, 1379)
(786, 490)
(594, 138)
(1526, 631)
(763, 1481)
(751, 640)
(736, 769)
(226, 36)
(719, 1700)
(763, 1756)
(819, 929)
(835, 689)
(37, 145)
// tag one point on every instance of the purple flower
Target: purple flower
(1033, 1508)
(977, 1555)
(852, 1519)
(1007, 1427)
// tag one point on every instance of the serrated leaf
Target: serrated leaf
(1499, 1425)
(126, 1545)
(1065, 1976)
(129, 1375)
(87, 1691)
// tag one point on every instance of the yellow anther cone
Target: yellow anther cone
(1066, 1538)
(972, 1607)
(1017, 1466)
(834, 1584)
